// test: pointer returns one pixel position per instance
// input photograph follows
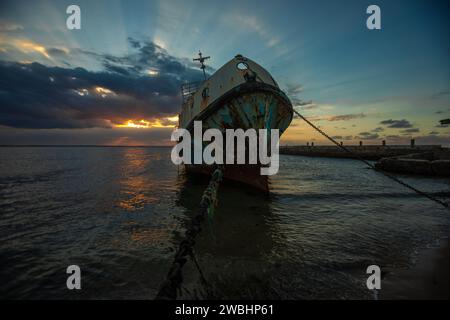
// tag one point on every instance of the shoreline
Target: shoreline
(428, 279)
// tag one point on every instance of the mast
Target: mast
(202, 59)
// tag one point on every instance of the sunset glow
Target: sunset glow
(173, 119)
(28, 46)
(104, 92)
(135, 124)
(152, 72)
(169, 122)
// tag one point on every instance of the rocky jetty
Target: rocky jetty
(369, 152)
(433, 163)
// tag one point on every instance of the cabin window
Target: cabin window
(242, 66)
(205, 92)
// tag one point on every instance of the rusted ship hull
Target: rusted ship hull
(240, 95)
(242, 173)
(248, 106)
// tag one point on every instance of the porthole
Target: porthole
(242, 66)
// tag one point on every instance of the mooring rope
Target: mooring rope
(390, 176)
(174, 279)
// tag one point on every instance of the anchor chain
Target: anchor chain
(174, 279)
(386, 174)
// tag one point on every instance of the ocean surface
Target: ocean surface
(119, 214)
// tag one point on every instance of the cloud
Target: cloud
(434, 139)
(308, 106)
(38, 96)
(367, 136)
(145, 56)
(294, 89)
(378, 129)
(412, 130)
(343, 117)
(57, 52)
(424, 139)
(6, 26)
(27, 46)
(397, 123)
(305, 105)
(253, 24)
(13, 48)
(134, 43)
(440, 94)
(343, 137)
(346, 117)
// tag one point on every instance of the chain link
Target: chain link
(174, 279)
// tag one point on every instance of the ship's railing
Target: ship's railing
(188, 89)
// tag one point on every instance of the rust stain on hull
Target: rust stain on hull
(242, 173)
(255, 107)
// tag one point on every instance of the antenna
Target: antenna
(202, 59)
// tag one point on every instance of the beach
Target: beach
(429, 278)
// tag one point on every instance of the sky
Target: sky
(116, 80)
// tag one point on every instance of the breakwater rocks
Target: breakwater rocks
(435, 163)
(430, 160)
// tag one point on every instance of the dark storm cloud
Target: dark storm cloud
(134, 43)
(116, 69)
(397, 123)
(38, 96)
(145, 56)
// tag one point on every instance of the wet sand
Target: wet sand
(428, 279)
